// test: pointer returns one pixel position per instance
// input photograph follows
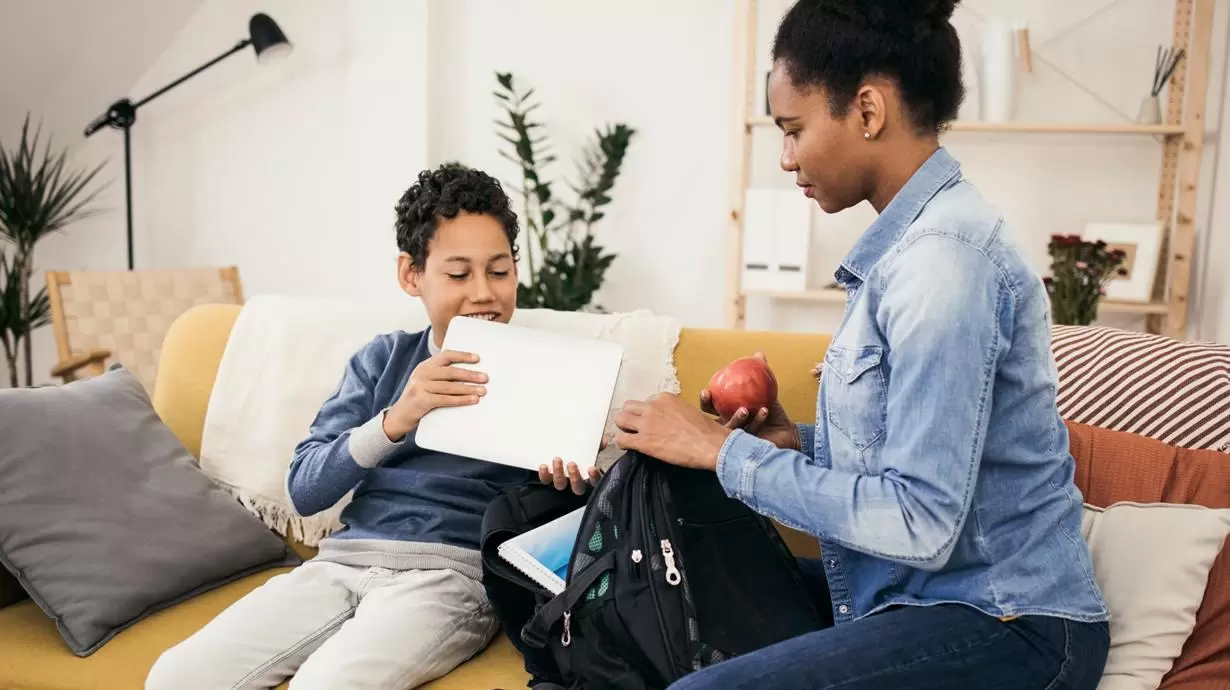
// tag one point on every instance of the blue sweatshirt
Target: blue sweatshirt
(412, 507)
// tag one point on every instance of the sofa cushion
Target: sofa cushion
(1152, 562)
(32, 656)
(105, 517)
(1175, 391)
(1114, 466)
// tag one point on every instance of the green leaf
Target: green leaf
(567, 272)
(40, 194)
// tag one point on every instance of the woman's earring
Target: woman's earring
(866, 135)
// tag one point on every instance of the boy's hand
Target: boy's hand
(555, 475)
(435, 382)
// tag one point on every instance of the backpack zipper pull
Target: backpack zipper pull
(566, 639)
(668, 554)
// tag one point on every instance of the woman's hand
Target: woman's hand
(769, 423)
(666, 428)
(435, 382)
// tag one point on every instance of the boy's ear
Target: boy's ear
(409, 277)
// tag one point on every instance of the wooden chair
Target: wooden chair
(123, 316)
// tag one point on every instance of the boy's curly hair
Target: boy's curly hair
(444, 193)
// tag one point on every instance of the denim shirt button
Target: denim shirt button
(843, 609)
(832, 563)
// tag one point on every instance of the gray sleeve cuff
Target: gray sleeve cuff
(368, 444)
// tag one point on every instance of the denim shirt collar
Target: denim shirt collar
(935, 174)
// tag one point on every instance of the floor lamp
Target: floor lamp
(265, 38)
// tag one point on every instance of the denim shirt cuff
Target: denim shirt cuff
(737, 463)
(807, 439)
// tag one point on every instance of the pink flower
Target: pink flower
(1082, 264)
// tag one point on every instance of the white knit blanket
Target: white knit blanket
(286, 355)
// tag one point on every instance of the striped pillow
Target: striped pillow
(1177, 392)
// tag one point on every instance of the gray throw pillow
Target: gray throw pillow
(105, 517)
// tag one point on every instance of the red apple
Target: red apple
(746, 382)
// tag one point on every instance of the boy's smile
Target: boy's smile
(469, 271)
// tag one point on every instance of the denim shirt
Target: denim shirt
(938, 470)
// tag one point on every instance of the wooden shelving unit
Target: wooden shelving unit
(1125, 128)
(1182, 136)
(838, 296)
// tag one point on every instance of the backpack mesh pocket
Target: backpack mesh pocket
(598, 533)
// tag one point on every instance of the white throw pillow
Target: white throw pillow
(1152, 563)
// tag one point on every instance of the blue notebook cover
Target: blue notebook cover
(543, 553)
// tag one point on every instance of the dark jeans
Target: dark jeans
(945, 646)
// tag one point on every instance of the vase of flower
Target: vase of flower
(1080, 271)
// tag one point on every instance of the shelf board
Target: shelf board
(1039, 127)
(837, 295)
(823, 295)
(1110, 306)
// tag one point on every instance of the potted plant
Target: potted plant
(1080, 271)
(565, 263)
(39, 195)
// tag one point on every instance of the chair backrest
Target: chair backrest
(129, 312)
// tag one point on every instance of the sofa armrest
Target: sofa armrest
(92, 361)
(191, 353)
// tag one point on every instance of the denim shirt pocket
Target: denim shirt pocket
(857, 393)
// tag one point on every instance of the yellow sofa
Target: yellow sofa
(33, 657)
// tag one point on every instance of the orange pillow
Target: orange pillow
(1113, 466)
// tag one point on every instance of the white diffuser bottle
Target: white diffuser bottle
(997, 73)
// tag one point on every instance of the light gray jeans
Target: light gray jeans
(335, 626)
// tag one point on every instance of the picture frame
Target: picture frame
(1142, 242)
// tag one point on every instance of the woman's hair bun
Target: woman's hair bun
(917, 17)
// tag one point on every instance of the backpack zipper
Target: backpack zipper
(648, 528)
(673, 577)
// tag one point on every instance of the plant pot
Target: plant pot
(1066, 314)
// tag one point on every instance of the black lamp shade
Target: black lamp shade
(267, 39)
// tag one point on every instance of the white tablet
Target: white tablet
(548, 396)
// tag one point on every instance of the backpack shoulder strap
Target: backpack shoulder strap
(536, 630)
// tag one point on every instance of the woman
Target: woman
(937, 475)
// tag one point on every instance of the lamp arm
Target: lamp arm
(238, 47)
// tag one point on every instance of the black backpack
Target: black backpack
(668, 575)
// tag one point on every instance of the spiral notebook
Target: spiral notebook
(542, 553)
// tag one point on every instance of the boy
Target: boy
(394, 598)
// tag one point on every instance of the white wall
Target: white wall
(291, 170)
(1212, 299)
(592, 63)
(669, 77)
(66, 60)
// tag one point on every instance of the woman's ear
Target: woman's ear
(869, 104)
(408, 276)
